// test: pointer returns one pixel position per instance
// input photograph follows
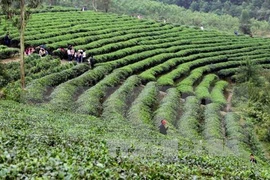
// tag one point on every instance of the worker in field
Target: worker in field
(252, 159)
(79, 56)
(162, 128)
(43, 52)
(91, 62)
(202, 28)
(70, 52)
(7, 40)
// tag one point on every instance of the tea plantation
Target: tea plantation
(74, 121)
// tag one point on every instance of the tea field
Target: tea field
(73, 121)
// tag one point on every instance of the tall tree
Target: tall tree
(106, 4)
(245, 23)
(22, 29)
(19, 19)
(94, 5)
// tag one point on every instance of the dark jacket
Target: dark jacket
(162, 129)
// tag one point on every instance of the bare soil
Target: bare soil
(9, 60)
(229, 101)
(17, 59)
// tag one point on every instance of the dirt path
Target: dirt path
(17, 59)
(9, 60)
(229, 101)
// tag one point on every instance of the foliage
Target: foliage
(3, 76)
(168, 108)
(143, 106)
(63, 95)
(235, 136)
(135, 61)
(36, 68)
(252, 94)
(6, 52)
(63, 145)
(217, 93)
(249, 72)
(36, 90)
(224, 20)
(189, 122)
(115, 105)
(245, 23)
(202, 90)
(90, 101)
(234, 8)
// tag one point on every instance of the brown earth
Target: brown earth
(17, 59)
(9, 60)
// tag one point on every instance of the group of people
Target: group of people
(79, 55)
(41, 50)
(30, 50)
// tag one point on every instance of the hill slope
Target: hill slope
(39, 143)
(144, 72)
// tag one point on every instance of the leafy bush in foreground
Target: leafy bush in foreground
(36, 143)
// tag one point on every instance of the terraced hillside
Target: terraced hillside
(145, 71)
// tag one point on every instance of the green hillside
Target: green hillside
(76, 122)
(51, 145)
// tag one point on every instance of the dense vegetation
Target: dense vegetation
(259, 9)
(103, 122)
(179, 15)
(36, 143)
(217, 19)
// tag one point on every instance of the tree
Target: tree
(205, 7)
(106, 5)
(245, 24)
(22, 29)
(257, 3)
(94, 5)
(195, 6)
(249, 72)
(19, 19)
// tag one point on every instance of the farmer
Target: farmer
(91, 61)
(79, 56)
(252, 159)
(7, 40)
(162, 128)
(70, 52)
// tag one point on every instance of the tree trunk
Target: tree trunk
(94, 4)
(22, 29)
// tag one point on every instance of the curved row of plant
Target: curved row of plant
(36, 89)
(115, 106)
(141, 110)
(169, 108)
(63, 96)
(203, 90)
(6, 52)
(189, 123)
(235, 137)
(55, 21)
(63, 145)
(154, 42)
(35, 68)
(87, 34)
(90, 101)
(182, 69)
(213, 130)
